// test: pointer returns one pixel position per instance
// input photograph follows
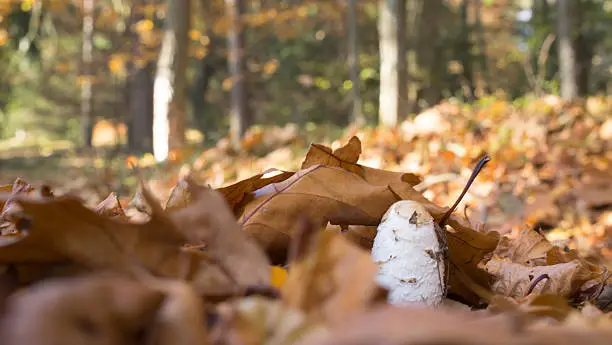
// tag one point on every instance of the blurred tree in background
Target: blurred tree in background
(147, 70)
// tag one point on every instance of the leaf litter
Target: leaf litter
(200, 270)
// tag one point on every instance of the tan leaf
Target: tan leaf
(179, 196)
(467, 250)
(399, 325)
(553, 306)
(63, 229)
(529, 248)
(75, 311)
(257, 321)
(347, 156)
(332, 280)
(208, 221)
(235, 193)
(9, 207)
(110, 207)
(320, 193)
(515, 280)
(105, 310)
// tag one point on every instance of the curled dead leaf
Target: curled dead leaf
(257, 321)
(320, 193)
(332, 279)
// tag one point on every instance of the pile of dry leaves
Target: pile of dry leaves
(206, 267)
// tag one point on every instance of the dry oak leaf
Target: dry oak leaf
(207, 220)
(392, 325)
(111, 207)
(347, 156)
(63, 229)
(9, 207)
(179, 196)
(515, 280)
(320, 193)
(105, 310)
(236, 193)
(332, 279)
(467, 251)
(261, 321)
(529, 248)
(553, 306)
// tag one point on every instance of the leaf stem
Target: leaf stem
(481, 163)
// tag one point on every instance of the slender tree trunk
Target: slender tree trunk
(239, 110)
(584, 49)
(353, 63)
(482, 47)
(87, 73)
(207, 67)
(432, 55)
(140, 125)
(170, 88)
(393, 79)
(567, 57)
(465, 55)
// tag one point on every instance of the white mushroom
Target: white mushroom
(410, 255)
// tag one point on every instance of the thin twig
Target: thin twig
(465, 215)
(536, 281)
(481, 163)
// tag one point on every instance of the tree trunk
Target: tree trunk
(465, 55)
(393, 80)
(353, 64)
(584, 49)
(567, 58)
(87, 73)
(170, 88)
(206, 69)
(239, 110)
(140, 125)
(432, 55)
(482, 49)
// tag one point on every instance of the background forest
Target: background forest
(74, 70)
(254, 171)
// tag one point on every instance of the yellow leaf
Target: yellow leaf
(278, 276)
(3, 37)
(194, 35)
(143, 26)
(270, 66)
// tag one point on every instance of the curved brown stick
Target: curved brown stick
(535, 282)
(481, 163)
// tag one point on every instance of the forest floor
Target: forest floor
(529, 247)
(551, 166)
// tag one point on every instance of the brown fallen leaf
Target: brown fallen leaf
(235, 194)
(180, 319)
(80, 311)
(529, 248)
(110, 207)
(347, 156)
(179, 196)
(209, 222)
(392, 325)
(105, 310)
(467, 250)
(553, 306)
(9, 207)
(331, 279)
(257, 321)
(320, 193)
(516, 280)
(63, 229)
